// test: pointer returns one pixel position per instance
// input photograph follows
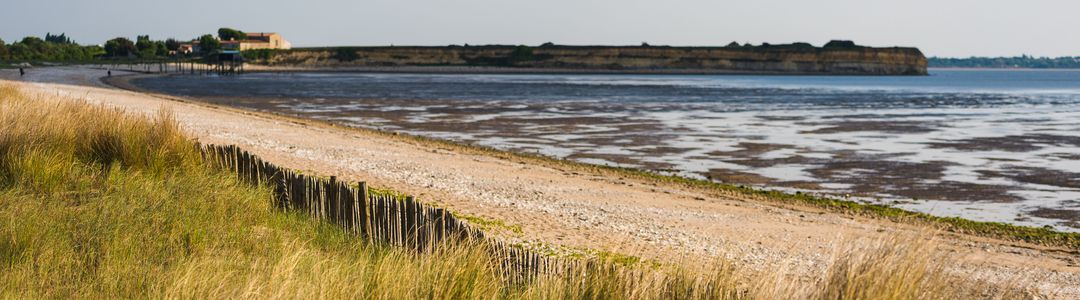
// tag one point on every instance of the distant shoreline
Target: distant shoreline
(1000, 69)
(509, 70)
(836, 58)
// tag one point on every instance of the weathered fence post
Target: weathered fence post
(363, 210)
(377, 219)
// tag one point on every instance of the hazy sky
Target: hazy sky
(938, 27)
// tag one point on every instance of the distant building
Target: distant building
(263, 40)
(255, 40)
(186, 49)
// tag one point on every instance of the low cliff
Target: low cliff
(767, 59)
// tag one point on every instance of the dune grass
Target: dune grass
(97, 203)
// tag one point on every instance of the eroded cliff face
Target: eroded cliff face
(782, 60)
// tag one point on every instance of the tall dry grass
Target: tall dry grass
(96, 203)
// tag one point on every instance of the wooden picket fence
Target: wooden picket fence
(379, 219)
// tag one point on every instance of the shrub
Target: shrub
(839, 44)
(346, 54)
(521, 53)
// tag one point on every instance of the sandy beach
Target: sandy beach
(568, 207)
(956, 144)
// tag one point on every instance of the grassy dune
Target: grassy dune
(96, 203)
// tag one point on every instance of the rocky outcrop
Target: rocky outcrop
(835, 58)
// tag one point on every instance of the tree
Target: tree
(801, 45)
(840, 44)
(3, 50)
(145, 46)
(93, 51)
(19, 51)
(53, 48)
(229, 34)
(172, 44)
(160, 48)
(58, 39)
(208, 43)
(34, 43)
(32, 48)
(120, 47)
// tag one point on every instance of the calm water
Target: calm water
(988, 145)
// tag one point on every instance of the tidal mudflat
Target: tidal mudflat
(985, 145)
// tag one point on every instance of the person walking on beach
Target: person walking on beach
(110, 73)
(22, 72)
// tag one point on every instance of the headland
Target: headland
(835, 58)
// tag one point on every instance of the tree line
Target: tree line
(52, 48)
(62, 48)
(1023, 61)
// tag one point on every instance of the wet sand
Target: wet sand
(930, 161)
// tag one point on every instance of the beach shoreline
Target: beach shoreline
(565, 205)
(931, 145)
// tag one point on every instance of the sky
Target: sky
(949, 28)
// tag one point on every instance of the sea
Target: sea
(989, 145)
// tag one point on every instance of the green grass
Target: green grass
(99, 204)
(491, 224)
(96, 203)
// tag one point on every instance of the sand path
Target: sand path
(564, 207)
